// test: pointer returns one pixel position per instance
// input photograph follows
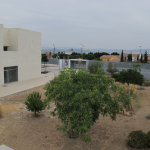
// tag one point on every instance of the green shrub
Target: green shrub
(130, 76)
(138, 139)
(79, 98)
(137, 67)
(34, 103)
(148, 138)
(111, 69)
(93, 67)
(115, 76)
(44, 72)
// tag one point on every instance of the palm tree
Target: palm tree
(72, 50)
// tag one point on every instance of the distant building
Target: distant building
(134, 57)
(108, 57)
(20, 54)
(48, 55)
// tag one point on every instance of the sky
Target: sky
(112, 24)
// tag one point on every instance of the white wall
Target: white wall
(1, 38)
(5, 37)
(13, 40)
(1, 50)
(24, 52)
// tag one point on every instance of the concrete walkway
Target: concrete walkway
(4, 147)
(15, 87)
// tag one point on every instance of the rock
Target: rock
(127, 113)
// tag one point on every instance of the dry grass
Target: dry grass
(135, 101)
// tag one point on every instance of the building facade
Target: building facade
(20, 54)
(108, 57)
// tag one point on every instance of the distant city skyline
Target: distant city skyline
(78, 50)
(111, 24)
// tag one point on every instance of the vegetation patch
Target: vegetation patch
(44, 72)
(148, 116)
(93, 67)
(131, 76)
(139, 139)
(34, 103)
(112, 69)
(80, 97)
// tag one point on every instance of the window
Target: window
(10, 74)
(5, 48)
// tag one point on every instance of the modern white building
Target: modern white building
(20, 54)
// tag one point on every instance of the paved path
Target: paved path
(15, 87)
(4, 147)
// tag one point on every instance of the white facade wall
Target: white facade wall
(24, 51)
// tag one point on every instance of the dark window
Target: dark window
(5, 48)
(10, 74)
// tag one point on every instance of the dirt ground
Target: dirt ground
(20, 130)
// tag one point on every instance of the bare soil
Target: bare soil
(20, 130)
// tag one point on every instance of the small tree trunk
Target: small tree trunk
(35, 113)
(44, 66)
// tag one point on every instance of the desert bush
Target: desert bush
(34, 103)
(93, 67)
(148, 116)
(111, 69)
(131, 90)
(130, 76)
(138, 139)
(79, 98)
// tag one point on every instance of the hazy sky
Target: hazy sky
(112, 24)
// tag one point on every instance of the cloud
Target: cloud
(95, 23)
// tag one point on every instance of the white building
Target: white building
(20, 54)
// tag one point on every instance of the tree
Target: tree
(111, 69)
(131, 76)
(34, 103)
(141, 60)
(121, 57)
(88, 56)
(114, 53)
(93, 66)
(44, 59)
(79, 98)
(138, 58)
(50, 53)
(129, 57)
(72, 50)
(145, 57)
